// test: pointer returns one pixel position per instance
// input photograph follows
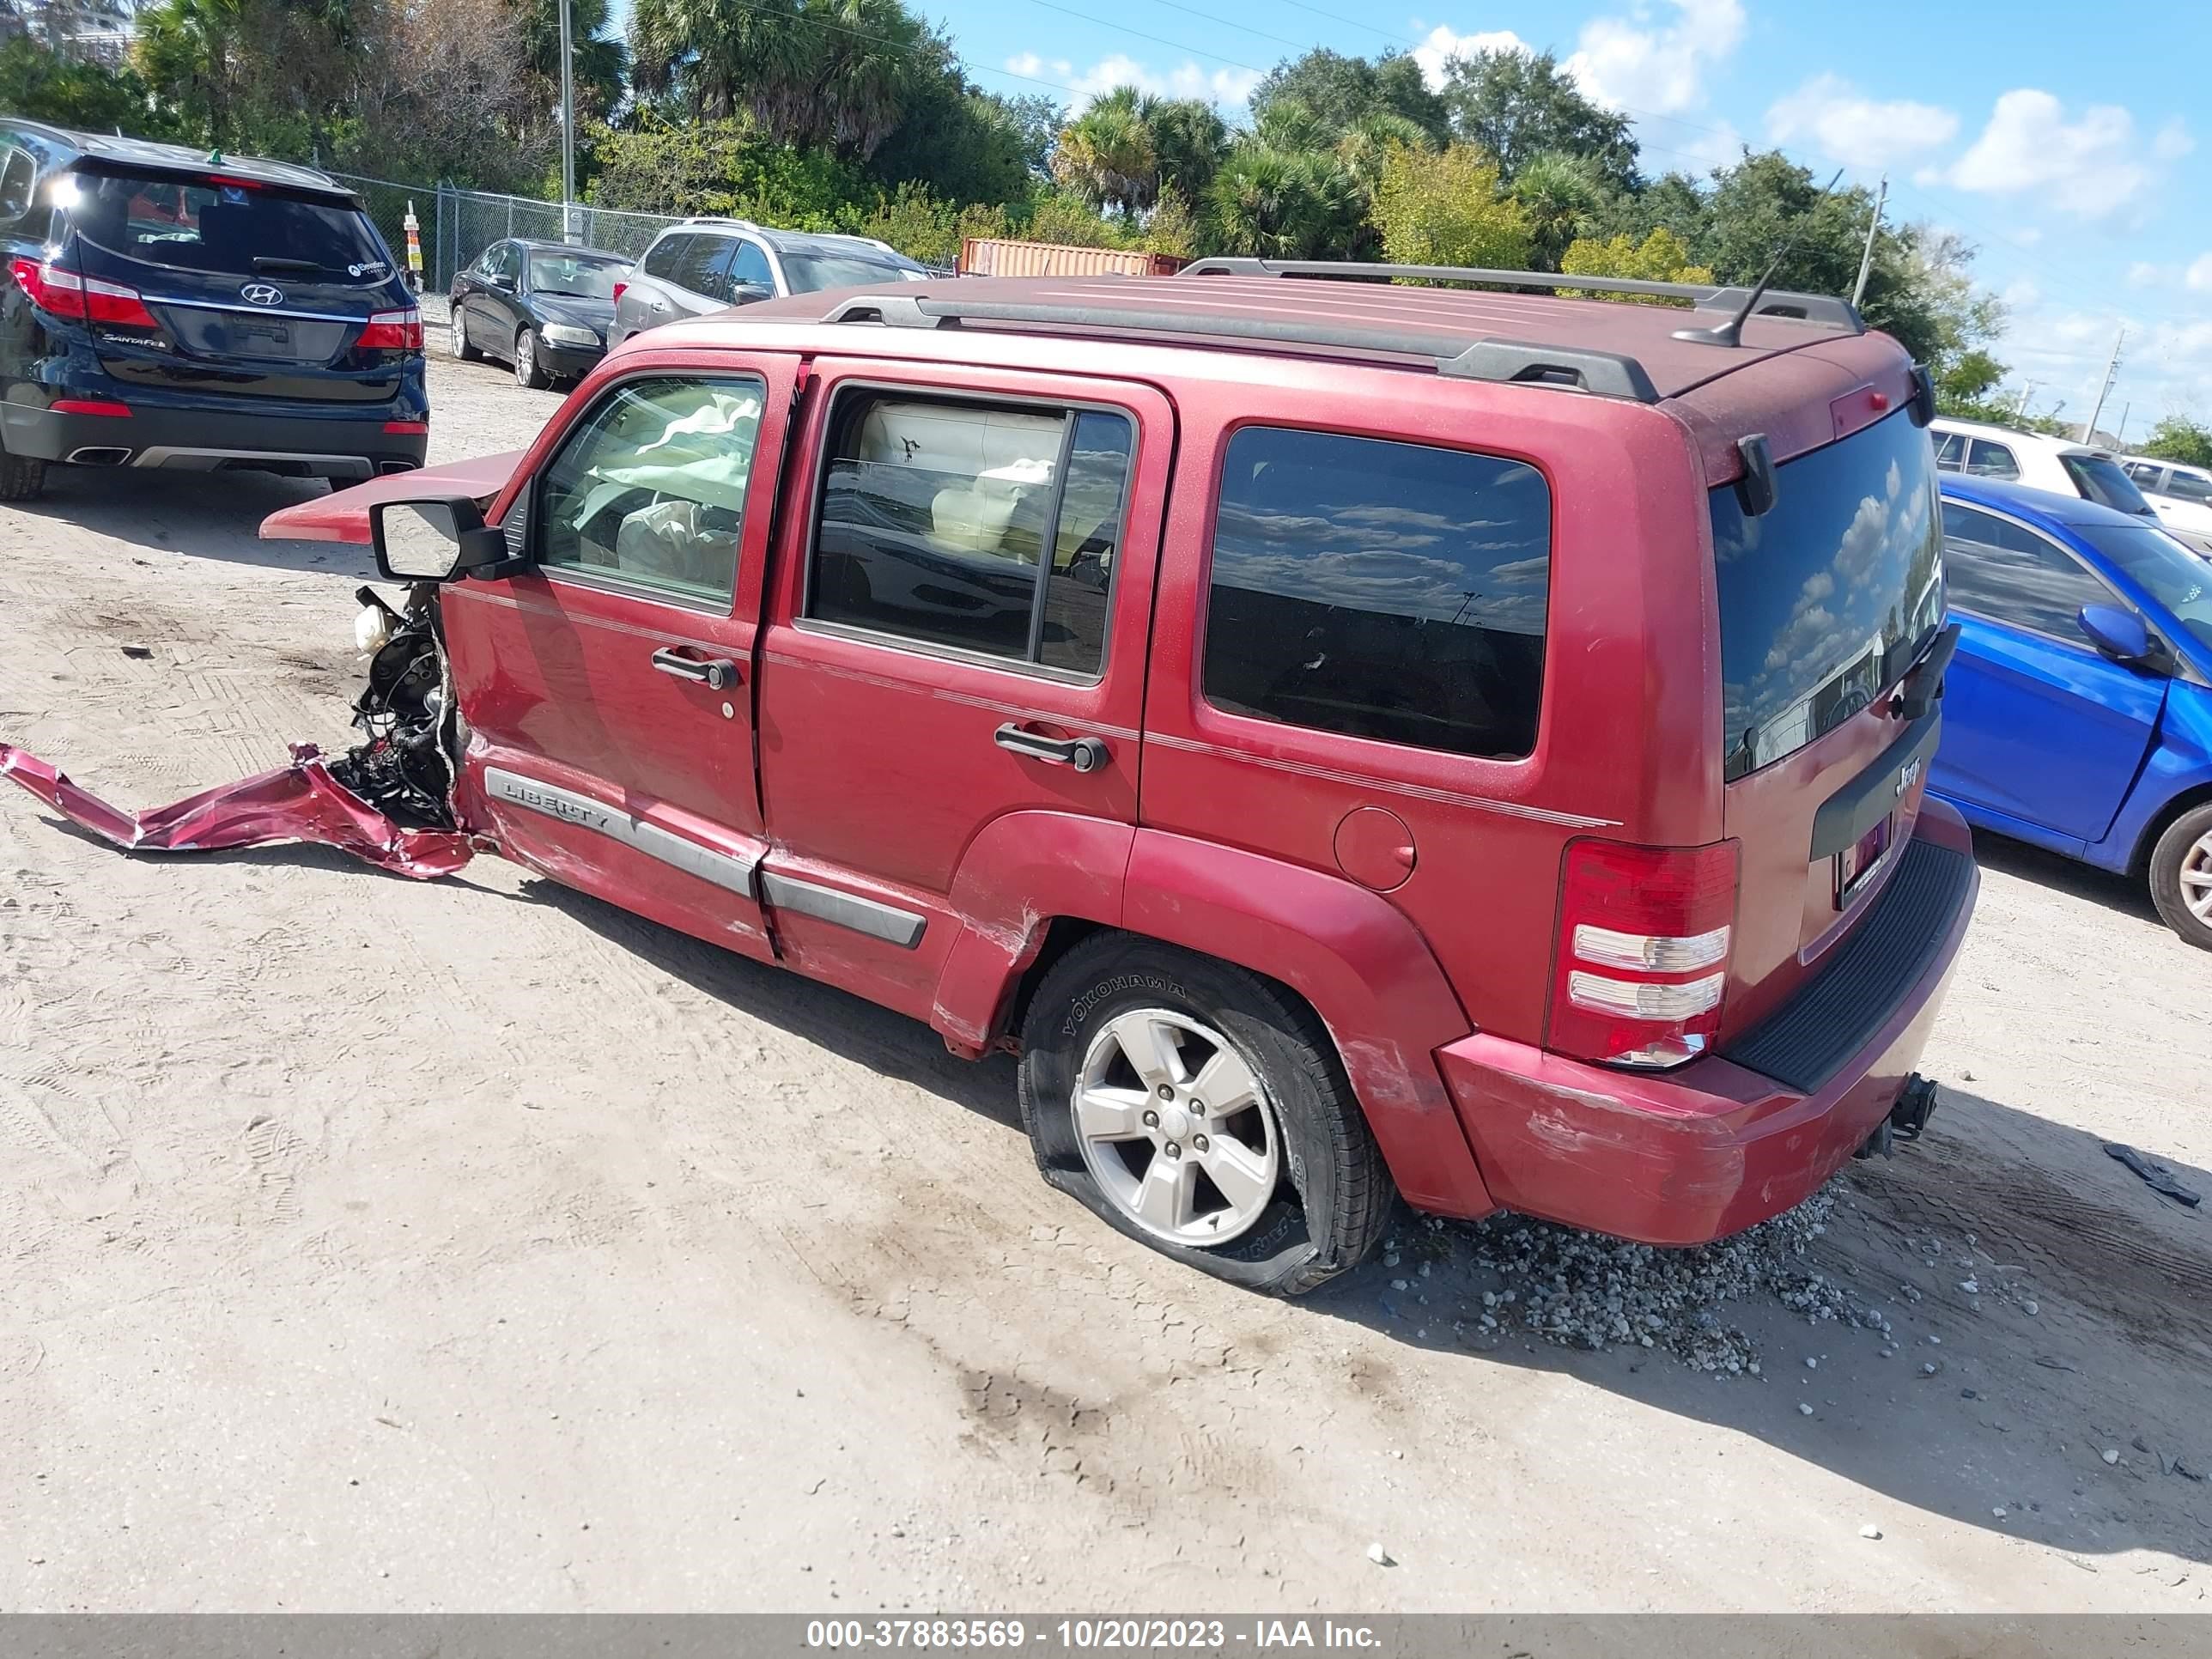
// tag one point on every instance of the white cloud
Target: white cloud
(1229, 87)
(2019, 295)
(2087, 167)
(2173, 141)
(1629, 65)
(2144, 274)
(2199, 274)
(1442, 45)
(1694, 150)
(2027, 236)
(1859, 131)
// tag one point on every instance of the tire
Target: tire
(2181, 876)
(457, 341)
(527, 370)
(1322, 1194)
(23, 478)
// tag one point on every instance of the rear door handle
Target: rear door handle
(1084, 754)
(716, 674)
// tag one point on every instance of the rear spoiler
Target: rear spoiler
(343, 515)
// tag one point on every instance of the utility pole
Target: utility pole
(2019, 410)
(2120, 438)
(568, 132)
(1866, 259)
(2111, 374)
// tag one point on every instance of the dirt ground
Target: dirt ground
(472, 1245)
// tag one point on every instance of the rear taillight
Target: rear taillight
(62, 293)
(619, 287)
(1643, 957)
(393, 330)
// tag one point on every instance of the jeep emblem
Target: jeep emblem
(1905, 779)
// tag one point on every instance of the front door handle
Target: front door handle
(716, 674)
(1084, 754)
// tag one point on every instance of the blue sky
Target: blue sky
(2070, 145)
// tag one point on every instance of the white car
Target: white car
(2181, 495)
(2064, 468)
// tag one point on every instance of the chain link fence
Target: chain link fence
(454, 226)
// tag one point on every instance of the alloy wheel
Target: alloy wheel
(2196, 879)
(1176, 1128)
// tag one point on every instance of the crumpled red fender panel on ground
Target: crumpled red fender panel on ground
(299, 802)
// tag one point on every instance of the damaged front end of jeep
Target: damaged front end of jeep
(388, 800)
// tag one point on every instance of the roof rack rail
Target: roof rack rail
(721, 219)
(1776, 302)
(1607, 374)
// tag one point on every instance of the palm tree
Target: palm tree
(827, 74)
(1106, 155)
(1283, 204)
(1564, 196)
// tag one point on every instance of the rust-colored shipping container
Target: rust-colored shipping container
(993, 256)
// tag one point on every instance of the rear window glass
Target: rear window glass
(2100, 480)
(233, 230)
(1826, 599)
(1382, 589)
(807, 272)
(578, 274)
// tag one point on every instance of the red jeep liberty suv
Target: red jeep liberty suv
(1350, 737)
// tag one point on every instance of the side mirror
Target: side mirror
(433, 541)
(502, 281)
(2120, 635)
(1924, 395)
(744, 294)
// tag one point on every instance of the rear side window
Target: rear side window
(705, 267)
(2006, 572)
(750, 267)
(1380, 590)
(988, 529)
(1950, 452)
(2100, 480)
(663, 257)
(19, 176)
(1991, 460)
(2188, 487)
(1828, 598)
(224, 229)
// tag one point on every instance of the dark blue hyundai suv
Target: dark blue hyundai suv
(168, 307)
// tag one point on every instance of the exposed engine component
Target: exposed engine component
(406, 711)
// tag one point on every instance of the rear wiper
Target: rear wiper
(268, 264)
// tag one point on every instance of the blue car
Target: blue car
(2077, 714)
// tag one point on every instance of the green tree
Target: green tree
(600, 69)
(1057, 215)
(1283, 203)
(1174, 228)
(1969, 377)
(1517, 105)
(1342, 91)
(964, 144)
(1189, 141)
(834, 75)
(925, 228)
(1564, 197)
(1106, 155)
(727, 167)
(39, 83)
(1450, 209)
(2177, 438)
(1659, 256)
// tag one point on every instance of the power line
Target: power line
(1280, 40)
(1157, 39)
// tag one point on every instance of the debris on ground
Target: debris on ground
(138, 651)
(1380, 1556)
(2158, 1175)
(2111, 1453)
(1869, 1530)
(1581, 1289)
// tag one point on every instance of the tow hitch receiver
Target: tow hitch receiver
(1916, 1104)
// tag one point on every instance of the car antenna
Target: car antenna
(1730, 333)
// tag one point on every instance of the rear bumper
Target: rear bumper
(1686, 1157)
(207, 440)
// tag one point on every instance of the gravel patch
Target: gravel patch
(1580, 1290)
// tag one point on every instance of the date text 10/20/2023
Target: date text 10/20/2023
(1190, 1636)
